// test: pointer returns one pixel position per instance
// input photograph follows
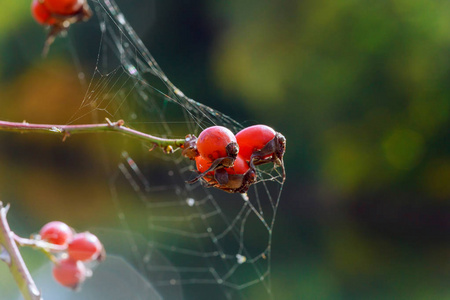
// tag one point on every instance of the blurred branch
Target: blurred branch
(10, 254)
(43, 246)
(66, 130)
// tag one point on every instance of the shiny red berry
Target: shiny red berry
(84, 246)
(202, 166)
(240, 166)
(253, 138)
(64, 7)
(56, 232)
(215, 142)
(41, 13)
(69, 273)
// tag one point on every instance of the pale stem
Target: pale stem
(12, 257)
(43, 246)
(67, 130)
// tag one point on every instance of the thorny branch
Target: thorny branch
(10, 254)
(168, 145)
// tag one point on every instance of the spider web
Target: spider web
(213, 243)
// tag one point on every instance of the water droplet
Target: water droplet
(190, 201)
(245, 197)
(178, 92)
(102, 26)
(132, 70)
(121, 19)
(241, 259)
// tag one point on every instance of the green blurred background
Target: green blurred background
(360, 89)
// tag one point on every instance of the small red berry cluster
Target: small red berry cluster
(74, 251)
(56, 12)
(59, 14)
(227, 161)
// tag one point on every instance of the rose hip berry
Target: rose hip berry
(84, 246)
(64, 7)
(217, 142)
(240, 166)
(202, 166)
(41, 13)
(260, 144)
(229, 162)
(56, 232)
(236, 179)
(69, 273)
(253, 138)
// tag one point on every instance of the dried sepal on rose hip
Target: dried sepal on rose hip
(85, 246)
(59, 15)
(56, 232)
(69, 272)
(236, 179)
(190, 147)
(260, 144)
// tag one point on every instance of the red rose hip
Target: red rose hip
(56, 232)
(202, 166)
(64, 7)
(253, 138)
(41, 13)
(240, 166)
(69, 273)
(216, 142)
(84, 246)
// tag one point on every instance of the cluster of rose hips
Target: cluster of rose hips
(227, 161)
(73, 251)
(59, 14)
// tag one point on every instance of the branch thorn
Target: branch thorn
(66, 134)
(109, 122)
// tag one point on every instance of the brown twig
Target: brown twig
(67, 130)
(12, 257)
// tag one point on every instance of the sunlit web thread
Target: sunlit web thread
(241, 217)
(200, 235)
(145, 61)
(102, 94)
(201, 226)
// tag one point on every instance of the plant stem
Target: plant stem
(42, 246)
(38, 244)
(67, 130)
(14, 259)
